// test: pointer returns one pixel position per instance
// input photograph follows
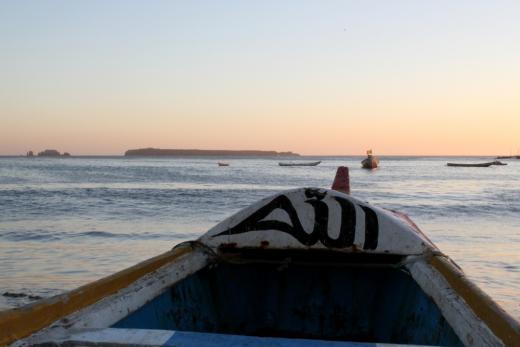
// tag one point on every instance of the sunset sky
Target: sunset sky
(314, 77)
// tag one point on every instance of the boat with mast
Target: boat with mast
(370, 162)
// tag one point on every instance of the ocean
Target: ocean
(67, 221)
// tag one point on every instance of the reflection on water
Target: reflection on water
(65, 222)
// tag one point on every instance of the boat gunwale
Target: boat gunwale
(481, 305)
(20, 323)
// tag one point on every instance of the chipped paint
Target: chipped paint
(320, 219)
(158, 338)
(21, 322)
(486, 321)
(117, 306)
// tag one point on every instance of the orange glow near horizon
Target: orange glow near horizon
(339, 126)
(312, 134)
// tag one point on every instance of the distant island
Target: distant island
(49, 153)
(155, 152)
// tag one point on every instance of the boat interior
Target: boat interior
(335, 297)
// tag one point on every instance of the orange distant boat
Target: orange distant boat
(370, 162)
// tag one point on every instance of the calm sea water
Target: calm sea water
(66, 222)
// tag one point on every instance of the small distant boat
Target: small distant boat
(508, 157)
(304, 267)
(220, 163)
(310, 163)
(496, 162)
(370, 162)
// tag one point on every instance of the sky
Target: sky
(314, 77)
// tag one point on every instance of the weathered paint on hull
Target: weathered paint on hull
(169, 338)
(21, 322)
(325, 302)
(471, 329)
(483, 307)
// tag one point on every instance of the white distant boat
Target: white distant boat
(496, 162)
(310, 163)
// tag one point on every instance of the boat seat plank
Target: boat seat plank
(154, 337)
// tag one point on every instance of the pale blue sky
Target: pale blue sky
(263, 74)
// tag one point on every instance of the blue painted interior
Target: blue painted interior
(191, 339)
(363, 304)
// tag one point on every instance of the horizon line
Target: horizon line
(239, 156)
